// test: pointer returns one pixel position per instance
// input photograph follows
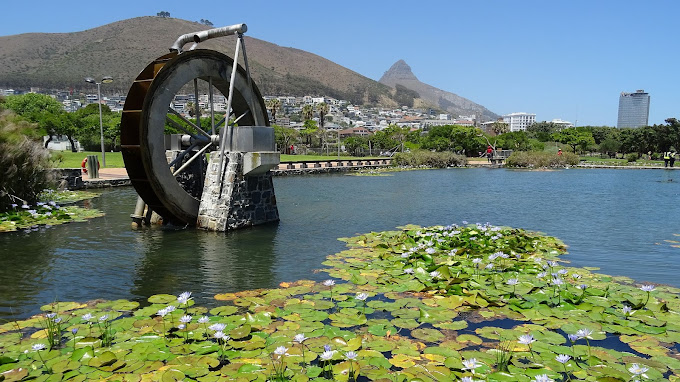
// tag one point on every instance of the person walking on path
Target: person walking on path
(489, 153)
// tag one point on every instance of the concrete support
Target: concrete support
(240, 200)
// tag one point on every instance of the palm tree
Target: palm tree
(322, 109)
(273, 104)
(307, 112)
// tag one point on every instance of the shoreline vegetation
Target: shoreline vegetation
(54, 208)
(466, 302)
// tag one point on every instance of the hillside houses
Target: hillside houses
(342, 116)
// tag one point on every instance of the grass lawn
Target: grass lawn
(67, 159)
(620, 161)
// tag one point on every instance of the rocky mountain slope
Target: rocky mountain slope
(400, 74)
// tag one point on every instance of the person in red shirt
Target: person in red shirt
(489, 153)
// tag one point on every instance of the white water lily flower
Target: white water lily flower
(203, 320)
(647, 288)
(350, 355)
(299, 338)
(281, 350)
(185, 319)
(408, 271)
(543, 378)
(327, 355)
(526, 339)
(38, 347)
(627, 310)
(637, 369)
(562, 358)
(470, 364)
(329, 283)
(184, 297)
(584, 333)
(87, 317)
(435, 274)
(217, 327)
(512, 281)
(362, 296)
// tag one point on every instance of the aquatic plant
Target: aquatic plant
(417, 324)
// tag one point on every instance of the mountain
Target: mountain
(400, 77)
(123, 48)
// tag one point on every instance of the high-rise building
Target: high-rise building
(519, 121)
(633, 109)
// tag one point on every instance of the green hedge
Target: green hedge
(420, 158)
(539, 159)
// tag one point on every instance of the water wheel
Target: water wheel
(149, 107)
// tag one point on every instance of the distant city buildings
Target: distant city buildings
(633, 109)
(519, 121)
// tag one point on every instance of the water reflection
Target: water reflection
(205, 263)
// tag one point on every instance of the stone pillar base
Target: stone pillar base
(242, 201)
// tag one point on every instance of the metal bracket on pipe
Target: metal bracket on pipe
(201, 36)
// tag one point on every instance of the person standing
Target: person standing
(666, 158)
(672, 155)
(489, 153)
(559, 152)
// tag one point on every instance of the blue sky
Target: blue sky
(558, 59)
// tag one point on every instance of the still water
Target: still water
(623, 221)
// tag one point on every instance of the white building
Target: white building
(561, 123)
(519, 121)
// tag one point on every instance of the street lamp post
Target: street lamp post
(105, 80)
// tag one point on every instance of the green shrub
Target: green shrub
(540, 159)
(24, 163)
(632, 157)
(420, 158)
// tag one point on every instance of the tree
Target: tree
(518, 141)
(273, 105)
(500, 127)
(610, 147)
(575, 138)
(285, 137)
(464, 139)
(542, 130)
(356, 145)
(309, 130)
(42, 109)
(308, 112)
(163, 14)
(206, 22)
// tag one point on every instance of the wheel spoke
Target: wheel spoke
(182, 154)
(239, 118)
(173, 111)
(187, 163)
(197, 110)
(212, 105)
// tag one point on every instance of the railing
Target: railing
(334, 163)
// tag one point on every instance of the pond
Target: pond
(622, 221)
